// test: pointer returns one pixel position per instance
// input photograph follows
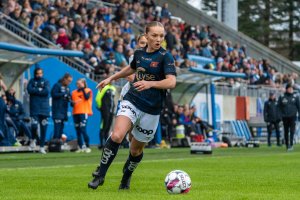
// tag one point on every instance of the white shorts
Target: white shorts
(144, 124)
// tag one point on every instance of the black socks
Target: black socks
(130, 165)
(109, 152)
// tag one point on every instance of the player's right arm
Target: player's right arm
(126, 71)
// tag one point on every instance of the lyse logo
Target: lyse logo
(154, 64)
(107, 153)
(144, 131)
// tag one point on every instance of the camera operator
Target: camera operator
(61, 96)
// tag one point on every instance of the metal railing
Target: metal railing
(35, 39)
(246, 90)
(97, 4)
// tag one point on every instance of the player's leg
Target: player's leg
(269, 129)
(134, 158)
(83, 125)
(34, 127)
(277, 129)
(57, 123)
(25, 129)
(143, 132)
(76, 119)
(292, 133)
(62, 126)
(122, 126)
(286, 131)
(43, 121)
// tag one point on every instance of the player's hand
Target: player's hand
(142, 85)
(103, 83)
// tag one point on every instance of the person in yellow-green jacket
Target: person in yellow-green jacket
(106, 104)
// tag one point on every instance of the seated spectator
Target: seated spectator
(62, 39)
(205, 50)
(107, 47)
(17, 114)
(24, 18)
(2, 84)
(119, 56)
(165, 13)
(78, 27)
(6, 137)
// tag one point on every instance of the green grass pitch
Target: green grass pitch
(236, 173)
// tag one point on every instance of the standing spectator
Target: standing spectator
(272, 117)
(82, 108)
(61, 96)
(106, 104)
(39, 89)
(289, 107)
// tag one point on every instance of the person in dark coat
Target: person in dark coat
(17, 114)
(272, 117)
(289, 105)
(61, 97)
(39, 89)
(3, 126)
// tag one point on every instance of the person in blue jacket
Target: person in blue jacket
(17, 114)
(61, 96)
(39, 89)
(3, 126)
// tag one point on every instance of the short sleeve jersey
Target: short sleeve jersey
(152, 66)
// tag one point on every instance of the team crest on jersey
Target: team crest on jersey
(154, 64)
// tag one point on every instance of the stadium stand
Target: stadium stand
(98, 28)
(105, 32)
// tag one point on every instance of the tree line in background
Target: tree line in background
(274, 23)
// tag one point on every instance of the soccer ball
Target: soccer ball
(178, 182)
(64, 138)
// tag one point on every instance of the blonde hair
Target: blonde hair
(140, 36)
(83, 80)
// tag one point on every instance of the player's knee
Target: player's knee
(136, 151)
(116, 137)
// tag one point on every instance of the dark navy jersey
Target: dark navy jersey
(152, 66)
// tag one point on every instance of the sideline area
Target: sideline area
(65, 175)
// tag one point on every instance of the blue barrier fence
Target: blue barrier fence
(239, 128)
(201, 61)
(39, 51)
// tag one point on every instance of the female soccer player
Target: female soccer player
(82, 108)
(140, 109)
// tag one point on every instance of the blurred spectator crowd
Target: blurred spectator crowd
(105, 35)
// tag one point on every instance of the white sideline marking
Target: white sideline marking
(145, 161)
(86, 165)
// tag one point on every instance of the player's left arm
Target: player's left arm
(168, 83)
